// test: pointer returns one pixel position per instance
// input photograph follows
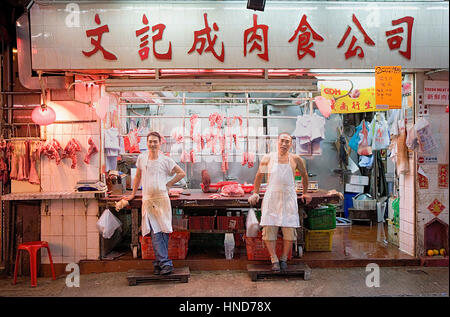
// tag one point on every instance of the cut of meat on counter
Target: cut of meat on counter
(206, 181)
(215, 196)
(233, 190)
(91, 151)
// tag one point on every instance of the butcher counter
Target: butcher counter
(198, 200)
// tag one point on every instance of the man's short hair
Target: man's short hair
(155, 134)
(285, 133)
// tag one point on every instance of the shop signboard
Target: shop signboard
(388, 87)
(436, 92)
(358, 100)
(224, 34)
(427, 159)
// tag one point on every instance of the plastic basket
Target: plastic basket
(321, 218)
(179, 223)
(230, 223)
(367, 204)
(319, 240)
(256, 249)
(178, 246)
(201, 222)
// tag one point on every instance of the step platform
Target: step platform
(135, 277)
(261, 271)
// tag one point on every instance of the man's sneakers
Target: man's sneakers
(166, 270)
(276, 267)
(283, 265)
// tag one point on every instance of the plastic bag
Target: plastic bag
(363, 146)
(411, 139)
(425, 135)
(381, 138)
(252, 224)
(107, 224)
(354, 141)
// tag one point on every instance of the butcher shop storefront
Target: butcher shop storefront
(346, 81)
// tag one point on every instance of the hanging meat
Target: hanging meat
(250, 159)
(193, 120)
(192, 156)
(3, 165)
(51, 150)
(244, 158)
(91, 151)
(12, 154)
(70, 151)
(22, 173)
(236, 143)
(224, 162)
(185, 158)
(240, 122)
(34, 152)
(228, 134)
(212, 121)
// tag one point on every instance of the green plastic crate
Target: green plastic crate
(321, 218)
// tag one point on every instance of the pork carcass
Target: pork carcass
(224, 162)
(233, 190)
(91, 151)
(240, 122)
(212, 121)
(185, 158)
(250, 159)
(244, 158)
(13, 160)
(193, 120)
(34, 152)
(3, 170)
(192, 156)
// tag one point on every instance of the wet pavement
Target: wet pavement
(324, 282)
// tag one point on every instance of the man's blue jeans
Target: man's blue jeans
(160, 242)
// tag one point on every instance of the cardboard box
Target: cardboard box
(24, 187)
(358, 180)
(354, 188)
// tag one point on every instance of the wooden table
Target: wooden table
(200, 201)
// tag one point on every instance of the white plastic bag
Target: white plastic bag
(252, 224)
(425, 135)
(380, 139)
(107, 224)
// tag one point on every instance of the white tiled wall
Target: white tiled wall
(70, 226)
(407, 211)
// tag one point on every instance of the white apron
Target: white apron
(156, 208)
(279, 206)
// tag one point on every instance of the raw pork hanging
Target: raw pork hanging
(70, 151)
(193, 120)
(51, 150)
(34, 158)
(91, 151)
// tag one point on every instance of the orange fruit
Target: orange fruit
(442, 251)
(430, 252)
(436, 252)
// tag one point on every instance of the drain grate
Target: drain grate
(417, 272)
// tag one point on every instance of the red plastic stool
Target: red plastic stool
(32, 248)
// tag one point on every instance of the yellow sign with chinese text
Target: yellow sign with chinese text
(388, 86)
(359, 100)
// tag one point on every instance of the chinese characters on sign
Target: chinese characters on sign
(256, 38)
(436, 92)
(144, 49)
(352, 50)
(359, 100)
(388, 87)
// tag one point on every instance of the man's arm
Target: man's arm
(262, 169)
(136, 182)
(179, 174)
(305, 181)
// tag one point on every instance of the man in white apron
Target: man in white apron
(155, 170)
(279, 207)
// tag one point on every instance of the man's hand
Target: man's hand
(130, 197)
(306, 198)
(253, 199)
